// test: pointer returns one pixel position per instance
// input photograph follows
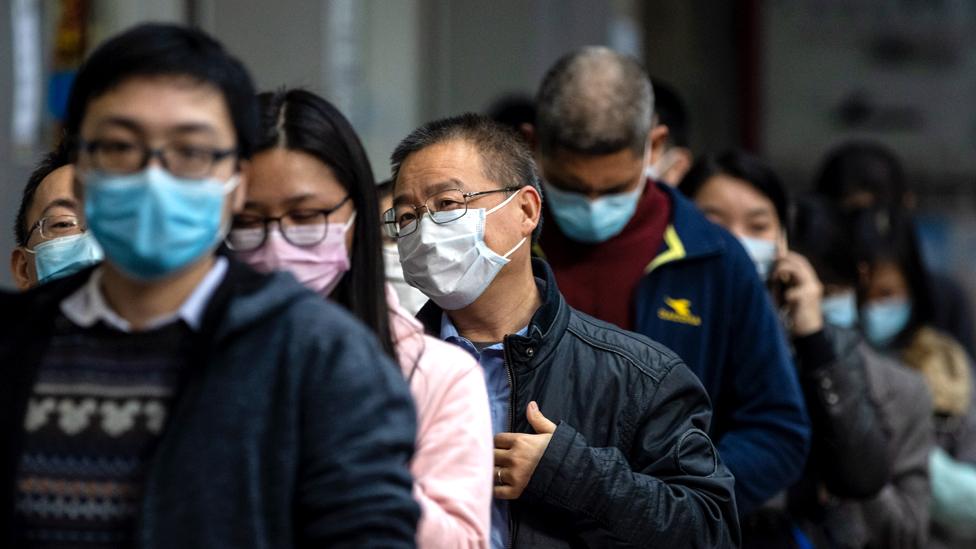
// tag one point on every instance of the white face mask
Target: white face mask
(411, 299)
(451, 263)
(762, 252)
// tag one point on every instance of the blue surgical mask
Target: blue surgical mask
(65, 256)
(592, 221)
(840, 309)
(884, 319)
(152, 223)
(762, 252)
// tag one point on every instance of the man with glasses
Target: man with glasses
(600, 433)
(170, 397)
(52, 240)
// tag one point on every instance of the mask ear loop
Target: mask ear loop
(517, 246)
(500, 206)
(503, 204)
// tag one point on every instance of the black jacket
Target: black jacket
(290, 429)
(630, 463)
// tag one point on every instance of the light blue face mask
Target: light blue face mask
(884, 319)
(592, 221)
(762, 252)
(152, 223)
(840, 309)
(65, 256)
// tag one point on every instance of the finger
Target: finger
(794, 295)
(503, 458)
(506, 440)
(506, 492)
(539, 422)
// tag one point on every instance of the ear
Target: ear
(681, 161)
(530, 203)
(528, 133)
(657, 137)
(239, 195)
(21, 266)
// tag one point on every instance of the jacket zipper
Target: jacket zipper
(511, 428)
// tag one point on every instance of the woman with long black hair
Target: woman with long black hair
(312, 209)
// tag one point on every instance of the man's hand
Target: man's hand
(803, 293)
(517, 454)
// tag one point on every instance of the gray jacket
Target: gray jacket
(898, 515)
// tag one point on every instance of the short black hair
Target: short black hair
(167, 50)
(862, 166)
(513, 110)
(740, 165)
(671, 112)
(58, 158)
(505, 158)
(594, 101)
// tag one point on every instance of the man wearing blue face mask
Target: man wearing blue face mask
(633, 252)
(170, 397)
(52, 239)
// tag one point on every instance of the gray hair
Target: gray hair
(594, 101)
(505, 158)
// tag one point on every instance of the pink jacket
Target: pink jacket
(454, 461)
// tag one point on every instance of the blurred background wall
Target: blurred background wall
(785, 78)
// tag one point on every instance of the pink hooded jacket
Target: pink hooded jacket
(454, 461)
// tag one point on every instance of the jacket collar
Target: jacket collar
(689, 235)
(544, 330)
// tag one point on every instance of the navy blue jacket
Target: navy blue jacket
(702, 298)
(290, 429)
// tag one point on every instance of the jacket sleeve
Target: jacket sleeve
(357, 434)
(848, 435)
(454, 461)
(669, 490)
(766, 435)
(898, 517)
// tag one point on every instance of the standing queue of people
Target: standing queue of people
(573, 335)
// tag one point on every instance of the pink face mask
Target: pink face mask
(319, 267)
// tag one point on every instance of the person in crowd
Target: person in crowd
(411, 299)
(312, 209)
(171, 397)
(671, 155)
(639, 255)
(865, 174)
(515, 110)
(869, 452)
(600, 433)
(896, 317)
(52, 240)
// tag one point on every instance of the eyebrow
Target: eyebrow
(448, 185)
(68, 203)
(759, 212)
(135, 127)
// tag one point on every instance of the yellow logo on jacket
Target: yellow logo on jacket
(680, 311)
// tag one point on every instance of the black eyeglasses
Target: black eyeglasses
(302, 228)
(123, 156)
(443, 207)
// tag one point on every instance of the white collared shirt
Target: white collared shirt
(87, 305)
